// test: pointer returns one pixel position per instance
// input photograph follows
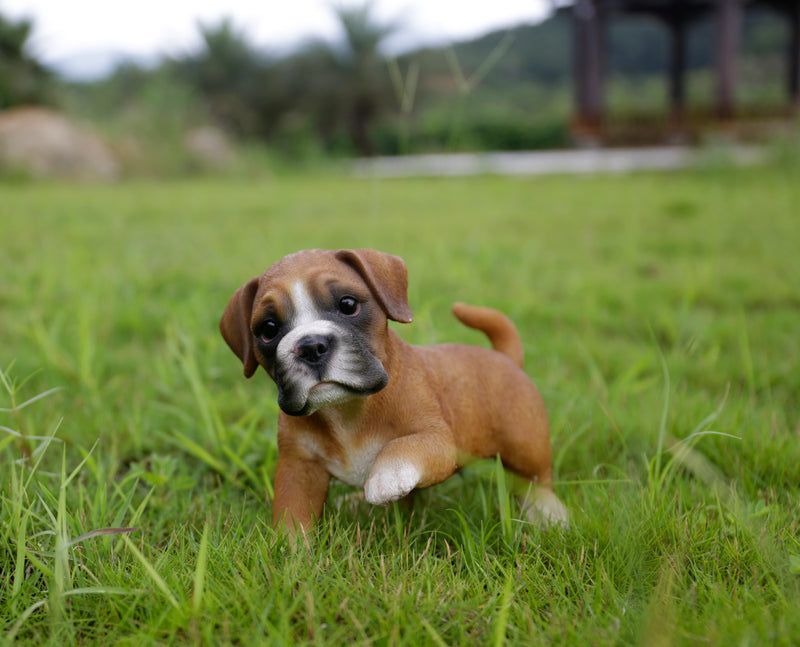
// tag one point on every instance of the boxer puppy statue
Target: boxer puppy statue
(360, 404)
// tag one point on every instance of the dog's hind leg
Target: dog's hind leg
(528, 456)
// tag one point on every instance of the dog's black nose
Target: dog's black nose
(313, 348)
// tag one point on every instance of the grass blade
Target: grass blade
(434, 635)
(501, 623)
(161, 585)
(197, 451)
(35, 398)
(12, 634)
(200, 572)
(102, 532)
(104, 590)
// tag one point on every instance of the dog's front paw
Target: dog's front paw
(388, 484)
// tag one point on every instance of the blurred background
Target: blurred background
(168, 89)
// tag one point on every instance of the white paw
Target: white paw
(544, 509)
(391, 483)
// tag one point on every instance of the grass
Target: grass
(660, 318)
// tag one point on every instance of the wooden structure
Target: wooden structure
(590, 20)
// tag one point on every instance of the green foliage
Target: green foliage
(145, 114)
(660, 323)
(475, 132)
(327, 96)
(22, 78)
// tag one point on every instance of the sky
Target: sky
(75, 36)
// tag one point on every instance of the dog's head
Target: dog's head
(316, 321)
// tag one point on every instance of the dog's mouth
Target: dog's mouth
(322, 394)
(325, 384)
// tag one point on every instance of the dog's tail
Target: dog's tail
(500, 330)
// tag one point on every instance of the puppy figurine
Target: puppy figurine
(361, 405)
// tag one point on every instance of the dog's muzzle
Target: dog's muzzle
(324, 365)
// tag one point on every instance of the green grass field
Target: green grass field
(661, 319)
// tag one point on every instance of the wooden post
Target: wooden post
(794, 56)
(589, 69)
(728, 32)
(677, 70)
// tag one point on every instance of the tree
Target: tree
(22, 78)
(349, 84)
(229, 74)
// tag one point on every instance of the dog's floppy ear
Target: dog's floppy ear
(235, 325)
(386, 276)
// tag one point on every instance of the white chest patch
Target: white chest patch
(356, 466)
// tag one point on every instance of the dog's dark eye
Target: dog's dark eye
(349, 306)
(268, 330)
